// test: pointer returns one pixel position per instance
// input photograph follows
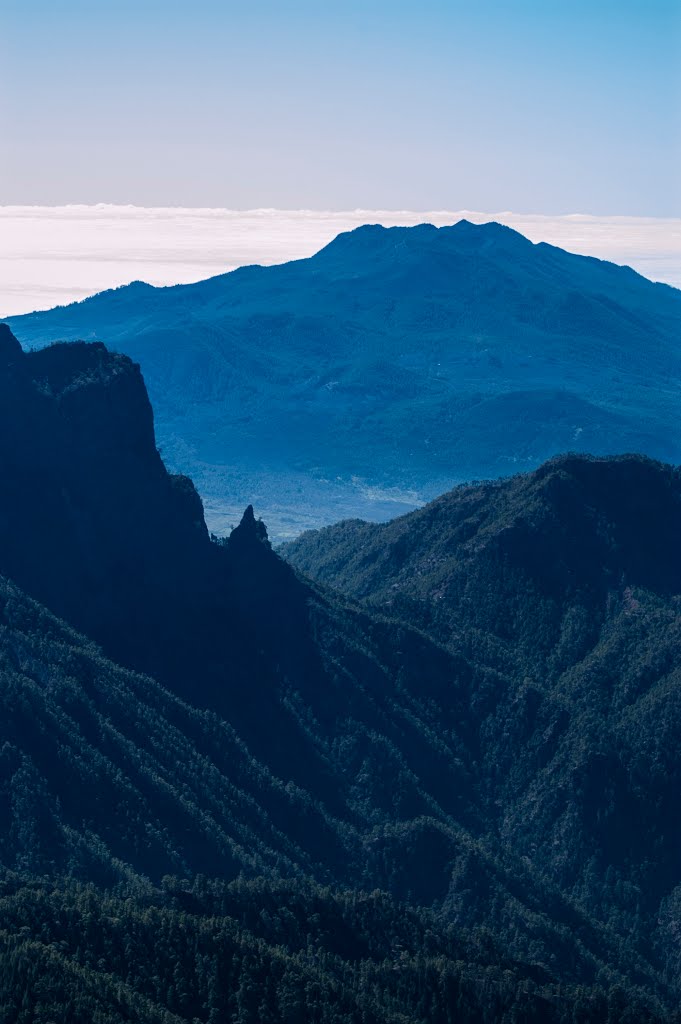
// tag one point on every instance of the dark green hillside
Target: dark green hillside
(106, 778)
(266, 953)
(390, 365)
(568, 583)
(569, 532)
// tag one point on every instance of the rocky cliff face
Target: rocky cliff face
(91, 523)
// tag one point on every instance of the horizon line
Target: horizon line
(330, 212)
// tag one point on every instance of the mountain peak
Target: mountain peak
(487, 232)
(375, 239)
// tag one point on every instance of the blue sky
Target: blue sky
(544, 107)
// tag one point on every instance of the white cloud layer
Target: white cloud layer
(54, 255)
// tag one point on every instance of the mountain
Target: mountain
(568, 535)
(228, 791)
(567, 582)
(390, 365)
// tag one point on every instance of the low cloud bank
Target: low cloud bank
(51, 256)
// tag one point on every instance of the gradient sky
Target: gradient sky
(540, 106)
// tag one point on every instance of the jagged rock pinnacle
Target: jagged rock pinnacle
(248, 531)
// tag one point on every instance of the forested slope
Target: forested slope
(107, 782)
(567, 583)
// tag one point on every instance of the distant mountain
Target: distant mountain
(394, 363)
(308, 808)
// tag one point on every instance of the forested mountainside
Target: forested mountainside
(567, 582)
(116, 798)
(387, 825)
(509, 558)
(390, 365)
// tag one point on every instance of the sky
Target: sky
(535, 106)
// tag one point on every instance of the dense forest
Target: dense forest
(228, 792)
(140, 882)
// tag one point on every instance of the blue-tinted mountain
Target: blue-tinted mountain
(392, 364)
